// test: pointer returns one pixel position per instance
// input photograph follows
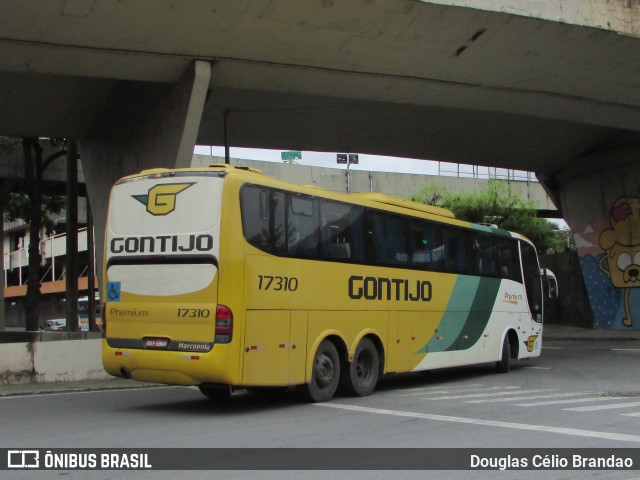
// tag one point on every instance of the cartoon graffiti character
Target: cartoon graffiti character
(621, 244)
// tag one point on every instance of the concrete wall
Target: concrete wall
(55, 361)
(572, 305)
(399, 184)
(600, 197)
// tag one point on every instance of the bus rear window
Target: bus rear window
(162, 279)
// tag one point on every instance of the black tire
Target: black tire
(218, 393)
(360, 377)
(325, 374)
(504, 364)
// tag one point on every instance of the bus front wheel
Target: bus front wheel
(503, 365)
(361, 375)
(325, 375)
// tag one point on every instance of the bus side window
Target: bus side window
(426, 245)
(302, 227)
(456, 246)
(341, 231)
(386, 239)
(508, 259)
(263, 218)
(485, 256)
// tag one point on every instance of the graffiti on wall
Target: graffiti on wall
(610, 260)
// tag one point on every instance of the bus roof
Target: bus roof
(399, 202)
(370, 198)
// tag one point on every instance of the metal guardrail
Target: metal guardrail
(474, 171)
(50, 247)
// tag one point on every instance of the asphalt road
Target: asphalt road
(579, 394)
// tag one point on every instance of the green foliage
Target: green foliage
(496, 204)
(18, 208)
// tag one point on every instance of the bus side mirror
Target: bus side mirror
(550, 282)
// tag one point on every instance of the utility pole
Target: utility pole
(71, 260)
(348, 159)
(227, 156)
(91, 272)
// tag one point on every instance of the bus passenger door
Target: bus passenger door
(532, 281)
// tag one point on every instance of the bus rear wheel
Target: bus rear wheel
(325, 374)
(215, 392)
(361, 375)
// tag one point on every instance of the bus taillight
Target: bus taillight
(224, 324)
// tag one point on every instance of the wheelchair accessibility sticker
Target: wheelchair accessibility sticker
(113, 291)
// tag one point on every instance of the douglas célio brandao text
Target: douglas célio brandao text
(551, 462)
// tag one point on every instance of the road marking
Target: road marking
(442, 391)
(410, 392)
(552, 348)
(571, 400)
(529, 397)
(612, 406)
(635, 414)
(444, 388)
(538, 368)
(485, 395)
(621, 437)
(635, 350)
(445, 391)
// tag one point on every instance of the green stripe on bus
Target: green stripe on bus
(479, 314)
(467, 314)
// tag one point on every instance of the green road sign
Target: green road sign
(291, 155)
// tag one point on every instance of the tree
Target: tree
(18, 207)
(29, 207)
(496, 204)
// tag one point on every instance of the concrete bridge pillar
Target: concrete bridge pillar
(142, 126)
(599, 197)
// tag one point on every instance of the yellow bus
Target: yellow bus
(224, 278)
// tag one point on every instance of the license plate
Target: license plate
(156, 342)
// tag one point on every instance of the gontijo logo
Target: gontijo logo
(161, 199)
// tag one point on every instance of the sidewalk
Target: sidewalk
(551, 333)
(79, 386)
(565, 332)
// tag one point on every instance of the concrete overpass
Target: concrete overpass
(550, 87)
(334, 179)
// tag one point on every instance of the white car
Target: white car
(56, 325)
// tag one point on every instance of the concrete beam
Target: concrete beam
(198, 79)
(142, 126)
